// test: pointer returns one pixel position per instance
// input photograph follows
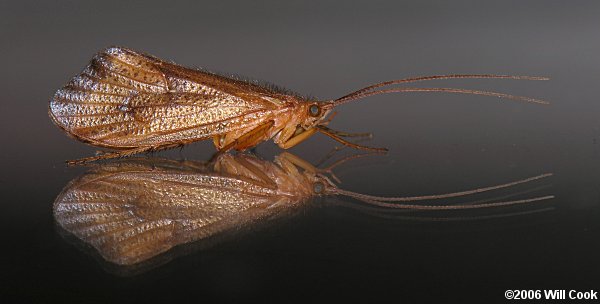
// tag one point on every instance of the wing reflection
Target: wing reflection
(133, 210)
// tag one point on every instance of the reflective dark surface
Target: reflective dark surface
(438, 143)
(134, 211)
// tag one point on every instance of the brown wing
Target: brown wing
(132, 213)
(124, 99)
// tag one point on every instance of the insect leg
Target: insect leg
(241, 165)
(289, 162)
(298, 162)
(294, 140)
(346, 134)
(108, 155)
(257, 172)
(250, 139)
(337, 138)
(122, 153)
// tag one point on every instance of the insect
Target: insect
(135, 209)
(133, 102)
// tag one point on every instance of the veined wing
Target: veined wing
(124, 99)
(131, 213)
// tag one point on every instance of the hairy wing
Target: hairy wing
(132, 214)
(124, 99)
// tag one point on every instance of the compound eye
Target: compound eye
(314, 110)
(318, 188)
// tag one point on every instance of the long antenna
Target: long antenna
(452, 207)
(436, 77)
(361, 92)
(446, 90)
(438, 196)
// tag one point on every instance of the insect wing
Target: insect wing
(132, 213)
(124, 99)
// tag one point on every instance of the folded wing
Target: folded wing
(134, 213)
(124, 99)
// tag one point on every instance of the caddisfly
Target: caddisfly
(133, 103)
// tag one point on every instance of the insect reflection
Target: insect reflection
(133, 210)
(133, 103)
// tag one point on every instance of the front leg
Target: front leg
(296, 138)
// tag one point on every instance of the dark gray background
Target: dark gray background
(438, 143)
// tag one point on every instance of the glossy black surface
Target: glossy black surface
(438, 143)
